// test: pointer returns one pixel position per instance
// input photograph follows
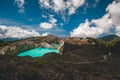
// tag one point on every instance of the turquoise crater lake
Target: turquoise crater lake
(38, 52)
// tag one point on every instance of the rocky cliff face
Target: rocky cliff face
(26, 44)
(81, 59)
(69, 47)
(30, 43)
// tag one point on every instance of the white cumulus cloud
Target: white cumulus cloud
(20, 5)
(46, 25)
(72, 5)
(62, 5)
(45, 34)
(103, 25)
(16, 32)
(114, 11)
(50, 24)
(84, 30)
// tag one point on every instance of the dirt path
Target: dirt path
(105, 58)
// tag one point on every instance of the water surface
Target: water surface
(57, 45)
(38, 52)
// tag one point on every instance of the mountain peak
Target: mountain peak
(109, 37)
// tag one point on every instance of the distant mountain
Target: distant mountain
(109, 37)
(9, 39)
(16, 39)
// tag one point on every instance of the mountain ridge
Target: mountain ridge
(88, 58)
(109, 37)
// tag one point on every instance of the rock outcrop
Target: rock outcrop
(81, 59)
(30, 43)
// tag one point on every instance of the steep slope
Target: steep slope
(27, 44)
(81, 59)
(109, 38)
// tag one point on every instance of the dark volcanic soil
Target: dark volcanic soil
(81, 60)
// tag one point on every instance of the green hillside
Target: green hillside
(81, 59)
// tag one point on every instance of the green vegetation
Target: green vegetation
(110, 46)
(4, 43)
(90, 57)
(109, 38)
(26, 68)
(19, 49)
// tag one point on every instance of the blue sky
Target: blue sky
(59, 17)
